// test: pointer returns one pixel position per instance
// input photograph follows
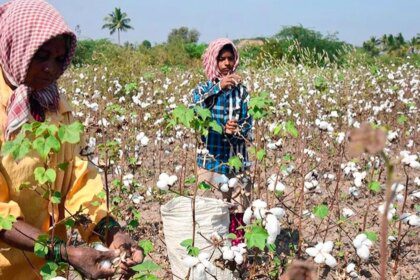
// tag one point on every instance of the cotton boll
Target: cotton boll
(190, 261)
(247, 216)
(259, 204)
(224, 187)
(233, 182)
(259, 213)
(199, 272)
(162, 185)
(350, 267)
(221, 179)
(271, 239)
(347, 212)
(239, 259)
(278, 212)
(228, 254)
(163, 177)
(272, 225)
(363, 252)
(172, 179)
(330, 260)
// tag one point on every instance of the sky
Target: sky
(354, 20)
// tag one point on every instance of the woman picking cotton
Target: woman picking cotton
(227, 99)
(36, 47)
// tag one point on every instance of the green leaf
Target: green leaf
(49, 270)
(146, 245)
(204, 186)
(277, 130)
(190, 180)
(22, 150)
(41, 129)
(183, 115)
(193, 251)
(216, 127)
(56, 197)
(63, 166)
(146, 266)
(70, 133)
(235, 162)
(101, 195)
(291, 129)
(8, 148)
(321, 211)
(402, 119)
(69, 223)
(141, 276)
(231, 236)
(50, 175)
(288, 157)
(40, 146)
(95, 203)
(374, 186)
(271, 247)
(7, 222)
(52, 129)
(52, 143)
(256, 237)
(187, 243)
(41, 247)
(39, 173)
(372, 236)
(203, 113)
(261, 154)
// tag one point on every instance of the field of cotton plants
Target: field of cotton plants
(318, 195)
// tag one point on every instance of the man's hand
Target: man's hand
(87, 261)
(134, 254)
(230, 81)
(231, 127)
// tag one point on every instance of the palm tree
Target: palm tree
(117, 21)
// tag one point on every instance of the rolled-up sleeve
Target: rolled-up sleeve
(7, 206)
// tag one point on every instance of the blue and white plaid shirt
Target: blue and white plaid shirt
(224, 105)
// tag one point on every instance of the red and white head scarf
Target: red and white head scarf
(210, 62)
(25, 25)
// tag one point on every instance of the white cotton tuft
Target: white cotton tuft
(233, 182)
(224, 187)
(247, 216)
(278, 212)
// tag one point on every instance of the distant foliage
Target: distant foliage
(184, 34)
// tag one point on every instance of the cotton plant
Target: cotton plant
(409, 159)
(351, 270)
(311, 182)
(224, 183)
(200, 265)
(142, 139)
(347, 212)
(166, 181)
(410, 219)
(270, 218)
(397, 190)
(322, 253)
(234, 253)
(362, 244)
(274, 184)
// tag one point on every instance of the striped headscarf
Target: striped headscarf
(25, 25)
(210, 58)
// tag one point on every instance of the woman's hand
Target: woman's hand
(134, 254)
(230, 81)
(231, 127)
(87, 261)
